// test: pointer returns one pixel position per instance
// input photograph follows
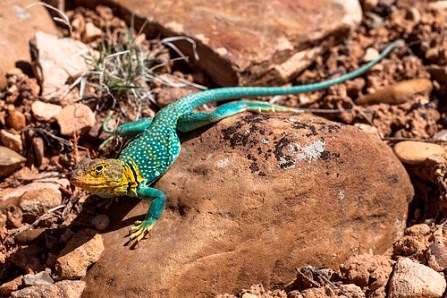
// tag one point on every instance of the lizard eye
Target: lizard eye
(99, 169)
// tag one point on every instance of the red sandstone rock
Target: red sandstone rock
(252, 198)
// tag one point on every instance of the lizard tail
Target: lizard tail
(190, 102)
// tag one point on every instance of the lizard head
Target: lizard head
(103, 177)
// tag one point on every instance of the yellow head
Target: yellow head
(104, 177)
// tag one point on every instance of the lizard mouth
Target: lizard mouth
(79, 178)
(100, 189)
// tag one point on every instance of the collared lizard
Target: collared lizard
(155, 143)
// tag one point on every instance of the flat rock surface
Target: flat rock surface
(252, 198)
(19, 24)
(245, 42)
(9, 161)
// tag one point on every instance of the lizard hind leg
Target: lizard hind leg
(128, 130)
(194, 120)
(131, 129)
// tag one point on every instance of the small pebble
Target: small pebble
(370, 4)
(36, 201)
(37, 279)
(437, 256)
(78, 22)
(370, 55)
(441, 135)
(418, 230)
(414, 15)
(14, 75)
(39, 149)
(76, 118)
(372, 130)
(91, 32)
(438, 5)
(9, 161)
(10, 286)
(249, 295)
(411, 152)
(12, 141)
(29, 236)
(16, 120)
(45, 111)
(397, 93)
(101, 222)
(432, 54)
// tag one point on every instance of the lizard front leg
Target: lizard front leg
(158, 200)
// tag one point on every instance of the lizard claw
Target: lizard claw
(140, 229)
(135, 226)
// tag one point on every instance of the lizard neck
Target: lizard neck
(132, 175)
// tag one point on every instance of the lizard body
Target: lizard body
(155, 144)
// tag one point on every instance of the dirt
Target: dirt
(418, 115)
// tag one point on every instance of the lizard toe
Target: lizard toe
(140, 229)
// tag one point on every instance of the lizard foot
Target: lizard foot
(140, 229)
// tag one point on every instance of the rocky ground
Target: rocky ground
(52, 117)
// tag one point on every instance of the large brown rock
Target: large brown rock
(244, 42)
(252, 198)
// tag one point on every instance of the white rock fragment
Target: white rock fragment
(37, 279)
(370, 55)
(12, 141)
(57, 66)
(438, 5)
(91, 32)
(412, 280)
(45, 111)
